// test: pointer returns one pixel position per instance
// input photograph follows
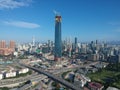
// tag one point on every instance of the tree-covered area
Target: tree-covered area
(109, 76)
(4, 88)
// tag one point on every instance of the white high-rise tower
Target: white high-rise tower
(33, 41)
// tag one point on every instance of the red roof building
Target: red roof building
(95, 86)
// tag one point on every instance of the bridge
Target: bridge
(53, 77)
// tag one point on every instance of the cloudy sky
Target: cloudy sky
(85, 19)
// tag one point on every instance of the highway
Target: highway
(10, 82)
(55, 78)
(61, 70)
(25, 87)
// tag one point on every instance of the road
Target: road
(65, 69)
(10, 82)
(55, 78)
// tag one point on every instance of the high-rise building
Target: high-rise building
(58, 41)
(12, 45)
(96, 42)
(33, 41)
(75, 43)
(119, 58)
(2, 44)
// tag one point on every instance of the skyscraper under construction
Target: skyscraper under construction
(58, 41)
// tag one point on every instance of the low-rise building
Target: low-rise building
(24, 70)
(95, 86)
(10, 74)
(112, 88)
(15, 53)
(85, 88)
(6, 51)
(1, 76)
(86, 78)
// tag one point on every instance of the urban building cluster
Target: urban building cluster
(92, 51)
(54, 58)
(11, 71)
(6, 49)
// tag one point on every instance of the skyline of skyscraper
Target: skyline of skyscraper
(58, 41)
(3, 44)
(12, 44)
(75, 43)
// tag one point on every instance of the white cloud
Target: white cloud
(56, 12)
(11, 4)
(22, 24)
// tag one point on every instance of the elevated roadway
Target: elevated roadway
(55, 78)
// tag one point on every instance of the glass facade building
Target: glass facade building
(58, 41)
(75, 43)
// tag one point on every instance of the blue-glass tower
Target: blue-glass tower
(75, 43)
(58, 41)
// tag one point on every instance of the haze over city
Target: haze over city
(85, 19)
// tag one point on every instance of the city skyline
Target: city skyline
(86, 20)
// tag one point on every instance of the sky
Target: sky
(87, 20)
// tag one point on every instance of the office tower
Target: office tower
(52, 45)
(75, 43)
(58, 41)
(49, 45)
(12, 45)
(93, 57)
(96, 42)
(2, 44)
